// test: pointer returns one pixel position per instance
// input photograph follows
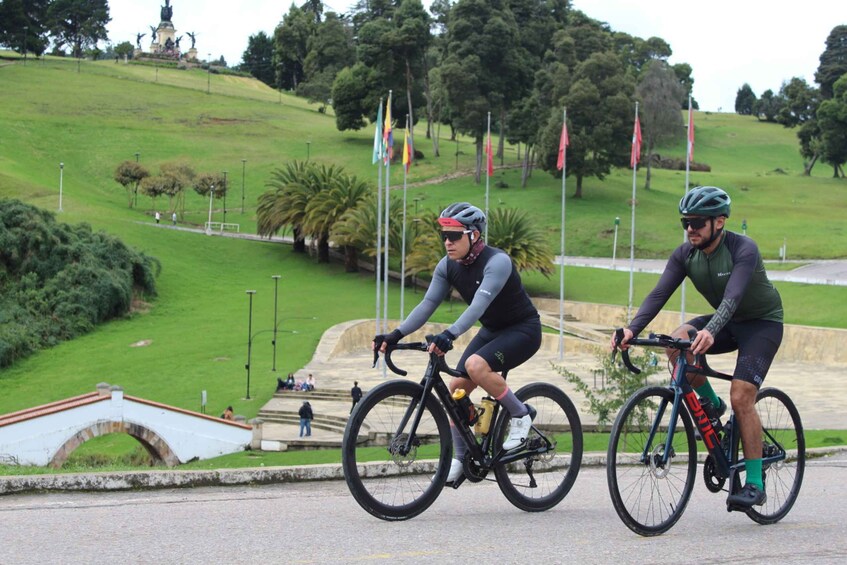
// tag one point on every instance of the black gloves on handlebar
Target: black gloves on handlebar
(390, 339)
(444, 341)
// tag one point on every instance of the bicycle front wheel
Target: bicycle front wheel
(543, 478)
(650, 484)
(394, 472)
(781, 431)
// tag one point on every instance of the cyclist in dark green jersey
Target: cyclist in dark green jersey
(727, 269)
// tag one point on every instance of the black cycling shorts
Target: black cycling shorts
(507, 348)
(756, 341)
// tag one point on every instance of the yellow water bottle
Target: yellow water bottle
(485, 411)
(466, 408)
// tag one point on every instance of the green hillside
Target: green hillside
(194, 337)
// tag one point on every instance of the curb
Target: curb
(149, 480)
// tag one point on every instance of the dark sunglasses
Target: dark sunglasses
(454, 236)
(693, 223)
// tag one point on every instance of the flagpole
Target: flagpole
(634, 163)
(487, 175)
(377, 156)
(563, 148)
(688, 159)
(403, 244)
(388, 153)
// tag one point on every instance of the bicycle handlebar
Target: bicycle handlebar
(653, 340)
(439, 361)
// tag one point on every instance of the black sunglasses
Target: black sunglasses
(693, 223)
(454, 236)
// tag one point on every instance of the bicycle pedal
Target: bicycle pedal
(457, 483)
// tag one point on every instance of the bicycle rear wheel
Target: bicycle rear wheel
(648, 494)
(781, 430)
(542, 480)
(385, 479)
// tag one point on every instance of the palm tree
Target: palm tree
(285, 203)
(512, 231)
(357, 227)
(426, 245)
(328, 206)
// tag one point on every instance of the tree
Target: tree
(330, 49)
(290, 47)
(833, 61)
(78, 23)
(661, 117)
(179, 175)
(23, 25)
(516, 233)
(767, 108)
(745, 100)
(129, 175)
(832, 119)
(357, 228)
(124, 49)
(801, 102)
(600, 116)
(258, 58)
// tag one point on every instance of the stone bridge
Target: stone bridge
(48, 434)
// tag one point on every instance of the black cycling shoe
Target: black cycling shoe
(712, 412)
(750, 495)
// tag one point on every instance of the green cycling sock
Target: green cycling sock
(706, 391)
(754, 472)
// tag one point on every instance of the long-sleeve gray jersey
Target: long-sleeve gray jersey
(732, 279)
(490, 286)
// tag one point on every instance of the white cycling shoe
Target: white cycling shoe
(456, 470)
(518, 432)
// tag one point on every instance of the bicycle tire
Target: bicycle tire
(554, 471)
(780, 423)
(649, 498)
(386, 483)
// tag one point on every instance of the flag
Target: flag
(378, 135)
(635, 156)
(408, 151)
(690, 133)
(490, 156)
(387, 134)
(564, 141)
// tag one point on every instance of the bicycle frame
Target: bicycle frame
(727, 466)
(432, 381)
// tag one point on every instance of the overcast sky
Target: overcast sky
(726, 42)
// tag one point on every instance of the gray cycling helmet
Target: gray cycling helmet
(705, 201)
(463, 214)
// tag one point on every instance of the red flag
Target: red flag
(635, 156)
(563, 143)
(490, 156)
(690, 133)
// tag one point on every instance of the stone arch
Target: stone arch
(157, 447)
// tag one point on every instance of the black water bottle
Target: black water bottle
(467, 410)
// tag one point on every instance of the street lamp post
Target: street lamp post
(61, 178)
(26, 29)
(615, 244)
(211, 197)
(137, 155)
(250, 293)
(276, 285)
(208, 73)
(243, 171)
(308, 146)
(135, 194)
(226, 189)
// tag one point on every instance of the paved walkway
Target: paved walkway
(819, 391)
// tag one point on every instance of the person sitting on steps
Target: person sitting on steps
(488, 281)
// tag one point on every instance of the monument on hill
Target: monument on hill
(164, 41)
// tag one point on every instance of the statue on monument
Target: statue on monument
(178, 39)
(138, 40)
(191, 35)
(153, 33)
(167, 11)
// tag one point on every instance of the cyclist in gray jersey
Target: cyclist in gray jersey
(511, 327)
(727, 269)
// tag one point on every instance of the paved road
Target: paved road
(829, 272)
(319, 522)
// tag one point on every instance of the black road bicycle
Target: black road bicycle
(397, 447)
(652, 459)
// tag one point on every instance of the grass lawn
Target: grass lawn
(194, 336)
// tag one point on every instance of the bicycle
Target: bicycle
(397, 447)
(652, 462)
